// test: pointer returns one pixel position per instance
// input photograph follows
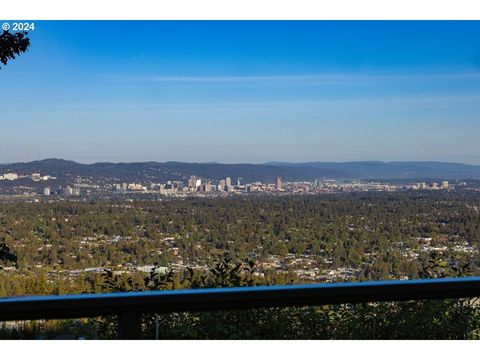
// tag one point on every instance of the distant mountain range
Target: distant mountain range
(395, 169)
(67, 171)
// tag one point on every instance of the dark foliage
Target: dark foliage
(5, 254)
(12, 45)
(432, 319)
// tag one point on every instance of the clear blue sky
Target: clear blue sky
(244, 92)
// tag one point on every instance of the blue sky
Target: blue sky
(244, 92)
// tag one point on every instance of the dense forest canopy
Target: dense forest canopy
(266, 240)
(359, 236)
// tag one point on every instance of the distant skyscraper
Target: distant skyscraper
(221, 185)
(228, 184)
(278, 183)
(192, 182)
(206, 187)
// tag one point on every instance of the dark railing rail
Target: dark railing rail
(129, 306)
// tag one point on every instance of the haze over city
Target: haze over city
(238, 92)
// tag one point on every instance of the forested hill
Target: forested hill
(395, 169)
(161, 172)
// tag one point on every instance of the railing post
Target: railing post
(130, 326)
(157, 327)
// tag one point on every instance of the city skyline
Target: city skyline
(244, 92)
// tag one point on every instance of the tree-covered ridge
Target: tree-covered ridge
(67, 172)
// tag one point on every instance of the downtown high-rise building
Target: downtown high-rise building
(192, 181)
(221, 185)
(278, 183)
(228, 184)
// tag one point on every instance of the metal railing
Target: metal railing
(131, 305)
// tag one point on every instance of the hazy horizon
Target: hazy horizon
(244, 92)
(242, 162)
